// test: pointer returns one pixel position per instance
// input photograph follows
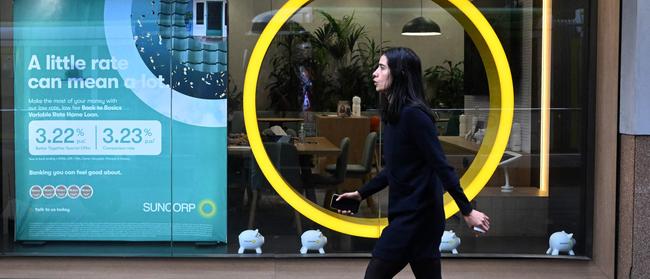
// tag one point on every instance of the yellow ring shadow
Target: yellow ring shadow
(477, 175)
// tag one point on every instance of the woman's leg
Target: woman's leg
(380, 269)
(429, 268)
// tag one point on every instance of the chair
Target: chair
(284, 157)
(363, 169)
(237, 122)
(330, 182)
(291, 132)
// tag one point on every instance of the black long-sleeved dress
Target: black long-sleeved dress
(418, 174)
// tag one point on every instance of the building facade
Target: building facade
(135, 128)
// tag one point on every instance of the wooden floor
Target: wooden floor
(160, 268)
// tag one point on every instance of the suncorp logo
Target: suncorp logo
(166, 207)
(206, 208)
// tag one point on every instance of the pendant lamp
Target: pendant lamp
(421, 26)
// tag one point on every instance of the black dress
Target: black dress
(416, 170)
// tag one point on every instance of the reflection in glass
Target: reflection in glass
(194, 58)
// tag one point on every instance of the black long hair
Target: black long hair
(406, 88)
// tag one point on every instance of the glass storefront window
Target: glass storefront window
(123, 125)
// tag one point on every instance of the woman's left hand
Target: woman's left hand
(478, 219)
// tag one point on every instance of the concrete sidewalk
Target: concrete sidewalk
(338, 268)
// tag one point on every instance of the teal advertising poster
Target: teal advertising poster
(120, 121)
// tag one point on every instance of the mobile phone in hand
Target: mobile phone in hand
(478, 231)
(345, 204)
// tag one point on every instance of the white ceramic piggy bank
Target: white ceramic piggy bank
(250, 240)
(561, 242)
(449, 242)
(313, 240)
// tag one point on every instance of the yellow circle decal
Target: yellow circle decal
(207, 213)
(477, 175)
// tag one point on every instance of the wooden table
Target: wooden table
(458, 145)
(279, 121)
(312, 147)
(316, 146)
(520, 171)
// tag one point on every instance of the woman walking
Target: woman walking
(417, 172)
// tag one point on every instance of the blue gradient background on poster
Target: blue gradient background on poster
(133, 202)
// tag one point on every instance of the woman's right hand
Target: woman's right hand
(349, 195)
(478, 219)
